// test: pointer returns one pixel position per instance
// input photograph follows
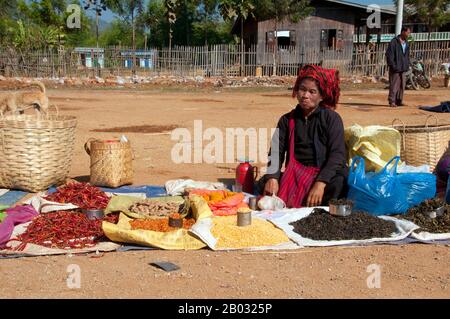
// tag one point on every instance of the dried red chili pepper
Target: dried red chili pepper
(82, 195)
(64, 230)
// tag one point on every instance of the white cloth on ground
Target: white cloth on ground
(177, 186)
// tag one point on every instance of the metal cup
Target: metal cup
(176, 222)
(252, 203)
(244, 219)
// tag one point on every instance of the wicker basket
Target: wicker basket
(111, 162)
(423, 144)
(35, 152)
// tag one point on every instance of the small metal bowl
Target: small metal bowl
(93, 214)
(340, 210)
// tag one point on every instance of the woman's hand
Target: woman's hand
(315, 195)
(271, 187)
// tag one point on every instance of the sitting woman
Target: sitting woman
(312, 136)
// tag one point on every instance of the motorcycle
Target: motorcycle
(415, 76)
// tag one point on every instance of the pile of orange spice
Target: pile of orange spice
(159, 224)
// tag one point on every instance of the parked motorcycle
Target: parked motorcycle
(416, 77)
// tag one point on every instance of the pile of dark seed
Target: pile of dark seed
(320, 225)
(418, 215)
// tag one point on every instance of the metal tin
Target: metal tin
(244, 219)
(340, 210)
(94, 213)
(252, 203)
(175, 222)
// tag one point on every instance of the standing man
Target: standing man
(397, 56)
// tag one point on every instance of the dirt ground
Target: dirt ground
(410, 271)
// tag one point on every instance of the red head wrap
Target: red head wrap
(328, 81)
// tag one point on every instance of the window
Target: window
(284, 38)
(331, 39)
(270, 39)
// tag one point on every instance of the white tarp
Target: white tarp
(426, 236)
(42, 205)
(285, 217)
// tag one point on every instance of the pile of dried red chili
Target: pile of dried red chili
(64, 230)
(83, 195)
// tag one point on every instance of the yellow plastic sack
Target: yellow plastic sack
(376, 144)
(122, 204)
(177, 240)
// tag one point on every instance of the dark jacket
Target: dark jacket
(396, 59)
(319, 141)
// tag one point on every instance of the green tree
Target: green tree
(48, 12)
(434, 13)
(47, 18)
(183, 30)
(207, 18)
(282, 10)
(128, 10)
(197, 23)
(98, 6)
(83, 36)
(238, 9)
(171, 7)
(9, 8)
(118, 33)
(7, 16)
(154, 20)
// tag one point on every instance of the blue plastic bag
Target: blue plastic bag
(418, 187)
(378, 193)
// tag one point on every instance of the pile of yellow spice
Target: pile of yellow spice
(259, 233)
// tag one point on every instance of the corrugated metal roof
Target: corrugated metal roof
(388, 9)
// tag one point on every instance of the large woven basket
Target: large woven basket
(35, 151)
(111, 162)
(423, 144)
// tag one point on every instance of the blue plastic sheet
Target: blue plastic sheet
(12, 197)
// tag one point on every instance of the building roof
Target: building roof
(387, 9)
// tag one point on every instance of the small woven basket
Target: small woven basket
(35, 151)
(423, 144)
(111, 162)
